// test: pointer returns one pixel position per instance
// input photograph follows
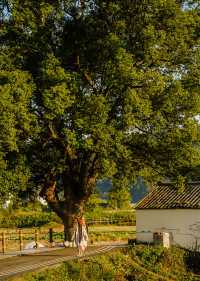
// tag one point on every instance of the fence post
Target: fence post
(3, 236)
(20, 240)
(51, 237)
(36, 238)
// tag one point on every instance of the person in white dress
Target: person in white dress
(80, 236)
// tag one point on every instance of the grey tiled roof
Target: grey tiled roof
(166, 196)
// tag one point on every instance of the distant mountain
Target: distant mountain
(104, 186)
(138, 190)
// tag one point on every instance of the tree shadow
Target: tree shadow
(192, 261)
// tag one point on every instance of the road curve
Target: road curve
(10, 267)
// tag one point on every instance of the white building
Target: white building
(167, 210)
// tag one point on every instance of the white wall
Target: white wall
(184, 224)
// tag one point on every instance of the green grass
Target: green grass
(141, 263)
(111, 228)
(27, 219)
(111, 233)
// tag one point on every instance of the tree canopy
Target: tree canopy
(96, 89)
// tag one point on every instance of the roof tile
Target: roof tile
(166, 196)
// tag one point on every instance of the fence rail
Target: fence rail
(118, 221)
(20, 239)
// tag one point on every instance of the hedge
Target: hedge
(30, 219)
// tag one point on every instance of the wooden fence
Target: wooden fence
(17, 240)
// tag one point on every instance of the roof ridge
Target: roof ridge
(173, 182)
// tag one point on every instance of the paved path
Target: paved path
(32, 261)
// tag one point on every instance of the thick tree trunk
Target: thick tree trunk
(68, 214)
(68, 231)
(69, 223)
(75, 196)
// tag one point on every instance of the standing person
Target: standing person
(80, 236)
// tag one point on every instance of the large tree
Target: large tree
(101, 89)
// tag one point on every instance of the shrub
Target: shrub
(27, 219)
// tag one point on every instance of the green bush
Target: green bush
(27, 219)
(167, 262)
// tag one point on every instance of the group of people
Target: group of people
(80, 235)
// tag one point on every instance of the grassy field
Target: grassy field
(30, 218)
(111, 233)
(110, 228)
(141, 263)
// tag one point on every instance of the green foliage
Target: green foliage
(150, 256)
(61, 274)
(16, 125)
(124, 265)
(17, 218)
(26, 219)
(96, 89)
(93, 204)
(173, 263)
(119, 197)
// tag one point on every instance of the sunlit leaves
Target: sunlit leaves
(16, 90)
(113, 88)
